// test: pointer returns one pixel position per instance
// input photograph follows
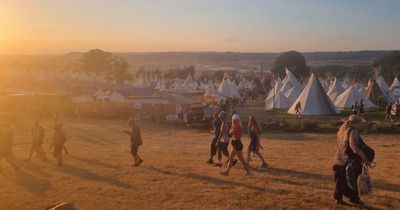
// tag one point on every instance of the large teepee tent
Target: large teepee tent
(289, 82)
(348, 97)
(385, 89)
(292, 94)
(276, 89)
(314, 100)
(227, 89)
(375, 94)
(335, 89)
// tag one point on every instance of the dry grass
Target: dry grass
(98, 172)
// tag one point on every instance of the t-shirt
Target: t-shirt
(236, 132)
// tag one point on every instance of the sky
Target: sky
(62, 26)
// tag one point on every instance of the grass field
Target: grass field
(98, 172)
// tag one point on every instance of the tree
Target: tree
(96, 61)
(292, 60)
(389, 65)
(119, 71)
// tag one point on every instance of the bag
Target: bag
(364, 182)
(351, 177)
(368, 151)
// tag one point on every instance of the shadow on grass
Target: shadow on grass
(93, 162)
(88, 175)
(288, 137)
(215, 181)
(32, 184)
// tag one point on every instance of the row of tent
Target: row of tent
(314, 99)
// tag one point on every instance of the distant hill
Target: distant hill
(193, 58)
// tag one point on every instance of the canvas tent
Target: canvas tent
(375, 94)
(385, 89)
(314, 100)
(395, 87)
(290, 81)
(227, 90)
(348, 97)
(292, 94)
(276, 89)
(281, 102)
(335, 89)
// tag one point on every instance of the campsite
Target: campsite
(229, 104)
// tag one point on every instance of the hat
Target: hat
(235, 117)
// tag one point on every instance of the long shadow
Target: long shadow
(387, 186)
(86, 174)
(297, 174)
(30, 183)
(93, 162)
(82, 134)
(33, 167)
(288, 137)
(215, 181)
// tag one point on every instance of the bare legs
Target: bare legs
(231, 158)
(258, 153)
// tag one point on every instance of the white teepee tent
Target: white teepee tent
(335, 89)
(314, 100)
(226, 89)
(290, 81)
(395, 87)
(281, 102)
(293, 94)
(348, 97)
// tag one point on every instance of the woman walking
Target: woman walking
(214, 142)
(254, 147)
(236, 133)
(349, 156)
(136, 141)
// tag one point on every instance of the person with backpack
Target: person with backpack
(236, 134)
(6, 145)
(254, 147)
(350, 155)
(136, 140)
(37, 134)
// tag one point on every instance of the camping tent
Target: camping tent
(335, 89)
(385, 88)
(314, 100)
(277, 87)
(348, 97)
(290, 81)
(375, 94)
(292, 94)
(281, 102)
(226, 88)
(395, 87)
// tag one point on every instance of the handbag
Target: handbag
(364, 182)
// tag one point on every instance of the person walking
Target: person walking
(59, 139)
(136, 140)
(254, 147)
(37, 134)
(355, 107)
(349, 155)
(298, 109)
(217, 130)
(236, 133)
(6, 145)
(223, 139)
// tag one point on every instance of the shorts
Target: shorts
(237, 145)
(253, 147)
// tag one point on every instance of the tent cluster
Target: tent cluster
(319, 98)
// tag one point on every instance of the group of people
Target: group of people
(226, 132)
(38, 133)
(358, 107)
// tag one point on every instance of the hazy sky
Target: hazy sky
(60, 26)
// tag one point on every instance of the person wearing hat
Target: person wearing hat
(6, 145)
(236, 134)
(223, 138)
(136, 140)
(348, 153)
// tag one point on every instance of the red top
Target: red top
(236, 132)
